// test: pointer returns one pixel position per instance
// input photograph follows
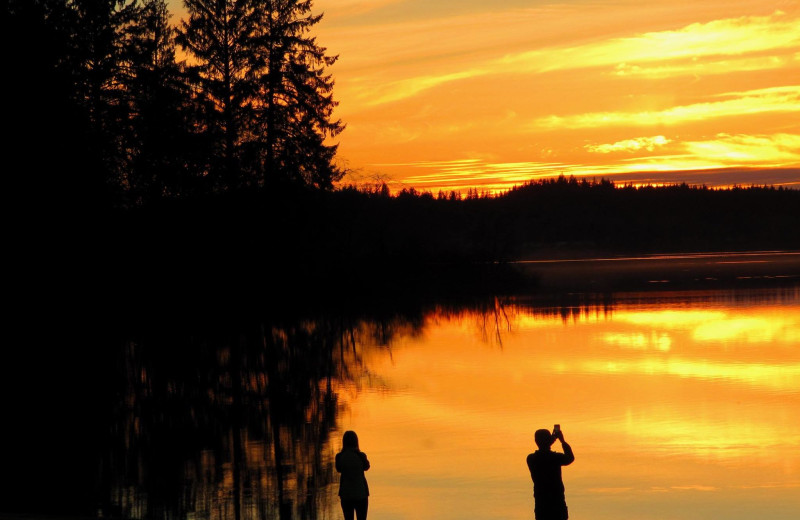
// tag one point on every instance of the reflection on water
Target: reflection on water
(679, 405)
(231, 423)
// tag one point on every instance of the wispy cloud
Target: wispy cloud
(350, 7)
(731, 154)
(724, 150)
(630, 145)
(402, 89)
(777, 99)
(707, 67)
(771, 152)
(742, 150)
(727, 37)
(461, 175)
(716, 47)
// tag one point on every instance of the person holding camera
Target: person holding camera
(545, 467)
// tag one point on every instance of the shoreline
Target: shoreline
(662, 270)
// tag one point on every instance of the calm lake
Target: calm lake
(679, 404)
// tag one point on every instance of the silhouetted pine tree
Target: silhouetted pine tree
(164, 158)
(262, 92)
(43, 122)
(221, 36)
(296, 96)
(97, 36)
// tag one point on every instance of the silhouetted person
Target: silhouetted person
(353, 490)
(545, 467)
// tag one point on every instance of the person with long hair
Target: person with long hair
(351, 462)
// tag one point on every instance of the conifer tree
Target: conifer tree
(46, 148)
(297, 98)
(262, 92)
(163, 158)
(96, 30)
(221, 37)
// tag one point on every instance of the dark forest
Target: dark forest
(134, 170)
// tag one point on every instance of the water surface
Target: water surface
(678, 406)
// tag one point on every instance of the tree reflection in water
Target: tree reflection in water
(233, 422)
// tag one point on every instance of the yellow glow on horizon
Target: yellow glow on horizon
(724, 151)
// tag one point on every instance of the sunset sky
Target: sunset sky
(453, 94)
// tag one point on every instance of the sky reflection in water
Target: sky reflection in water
(678, 406)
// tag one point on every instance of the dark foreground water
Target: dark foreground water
(679, 403)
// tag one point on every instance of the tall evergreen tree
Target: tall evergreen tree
(297, 98)
(262, 91)
(163, 157)
(220, 35)
(66, 55)
(98, 30)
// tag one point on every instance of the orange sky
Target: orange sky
(452, 94)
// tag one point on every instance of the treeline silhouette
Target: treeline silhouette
(295, 243)
(113, 105)
(130, 170)
(301, 241)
